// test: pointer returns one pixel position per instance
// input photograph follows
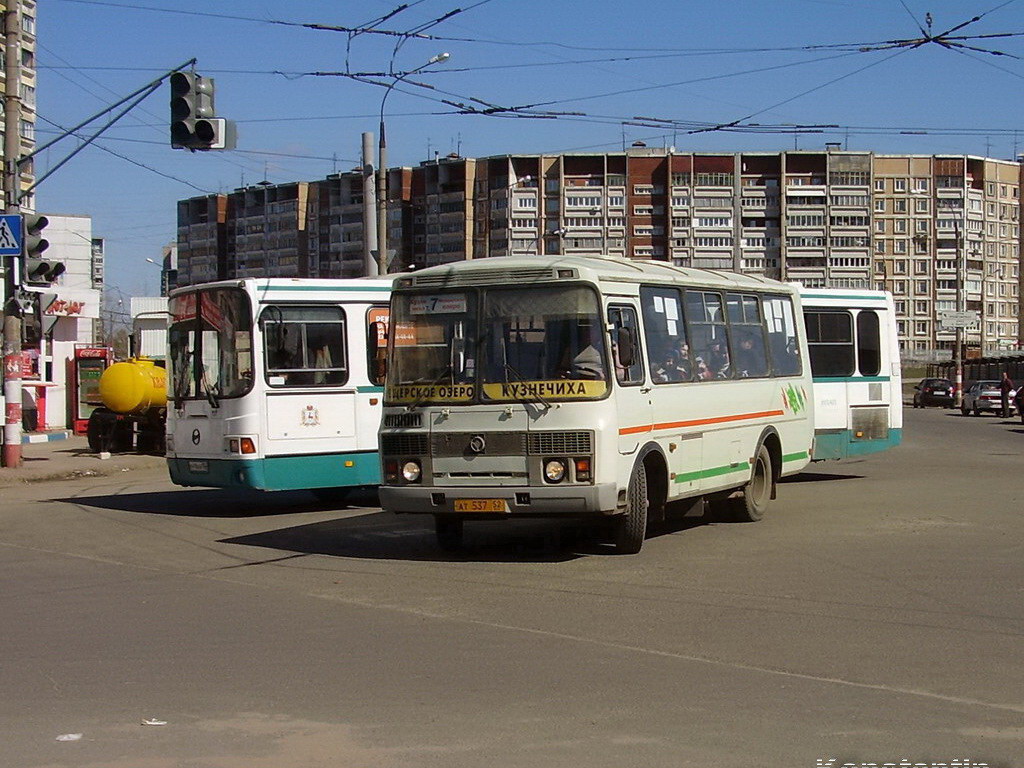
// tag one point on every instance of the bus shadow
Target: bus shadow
(818, 477)
(385, 536)
(217, 502)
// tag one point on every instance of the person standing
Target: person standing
(1005, 388)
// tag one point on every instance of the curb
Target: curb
(45, 437)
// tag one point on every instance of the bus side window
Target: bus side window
(668, 351)
(625, 345)
(830, 342)
(869, 343)
(783, 348)
(710, 341)
(750, 358)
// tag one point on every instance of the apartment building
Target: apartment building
(941, 232)
(26, 88)
(947, 237)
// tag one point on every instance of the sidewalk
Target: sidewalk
(67, 459)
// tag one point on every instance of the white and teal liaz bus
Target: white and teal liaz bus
(855, 362)
(599, 388)
(276, 384)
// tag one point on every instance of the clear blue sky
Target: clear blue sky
(662, 59)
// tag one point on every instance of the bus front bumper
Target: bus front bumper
(504, 501)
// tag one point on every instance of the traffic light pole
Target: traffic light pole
(11, 173)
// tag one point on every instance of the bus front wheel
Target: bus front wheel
(449, 532)
(632, 528)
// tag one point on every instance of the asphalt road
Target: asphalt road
(875, 615)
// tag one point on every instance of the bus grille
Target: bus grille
(447, 444)
(404, 445)
(480, 276)
(403, 420)
(561, 442)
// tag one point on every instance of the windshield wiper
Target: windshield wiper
(449, 370)
(538, 397)
(181, 381)
(210, 390)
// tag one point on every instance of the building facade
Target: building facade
(940, 232)
(26, 90)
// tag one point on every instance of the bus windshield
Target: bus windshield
(210, 344)
(498, 344)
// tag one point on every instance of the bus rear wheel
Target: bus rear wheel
(449, 532)
(751, 502)
(632, 528)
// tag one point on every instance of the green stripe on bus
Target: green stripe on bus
(743, 466)
(848, 379)
(340, 288)
(369, 389)
(689, 477)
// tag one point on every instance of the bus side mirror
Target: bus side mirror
(624, 347)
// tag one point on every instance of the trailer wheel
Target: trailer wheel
(99, 430)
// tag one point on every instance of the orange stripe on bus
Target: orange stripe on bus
(698, 422)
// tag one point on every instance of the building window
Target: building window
(879, 185)
(899, 206)
(713, 221)
(880, 206)
(714, 179)
(899, 185)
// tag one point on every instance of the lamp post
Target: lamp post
(382, 166)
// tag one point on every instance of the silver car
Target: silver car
(984, 396)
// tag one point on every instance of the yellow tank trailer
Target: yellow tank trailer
(134, 395)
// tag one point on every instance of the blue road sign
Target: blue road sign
(10, 234)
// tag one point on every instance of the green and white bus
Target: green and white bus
(276, 384)
(589, 387)
(855, 364)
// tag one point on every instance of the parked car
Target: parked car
(984, 396)
(934, 392)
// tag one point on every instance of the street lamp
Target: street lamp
(382, 165)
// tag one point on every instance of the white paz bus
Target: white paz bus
(590, 387)
(276, 384)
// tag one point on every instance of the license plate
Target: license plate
(940, 392)
(199, 466)
(480, 505)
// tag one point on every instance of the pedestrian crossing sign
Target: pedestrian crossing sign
(10, 234)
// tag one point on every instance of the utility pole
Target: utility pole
(12, 184)
(959, 333)
(369, 208)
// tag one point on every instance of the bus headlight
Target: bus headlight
(411, 471)
(554, 470)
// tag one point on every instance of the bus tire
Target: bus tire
(449, 532)
(632, 528)
(755, 495)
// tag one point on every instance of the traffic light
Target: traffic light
(193, 124)
(38, 270)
